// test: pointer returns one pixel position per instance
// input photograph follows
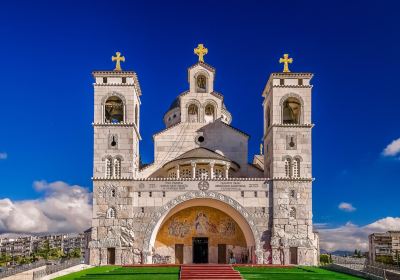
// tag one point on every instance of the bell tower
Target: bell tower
(287, 162)
(116, 123)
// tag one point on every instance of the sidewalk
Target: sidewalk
(69, 270)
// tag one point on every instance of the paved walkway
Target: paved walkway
(69, 270)
(26, 275)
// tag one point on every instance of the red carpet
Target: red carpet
(208, 271)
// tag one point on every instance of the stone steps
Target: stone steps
(209, 272)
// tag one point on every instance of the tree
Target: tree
(75, 253)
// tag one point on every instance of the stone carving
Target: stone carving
(158, 259)
(203, 185)
(107, 190)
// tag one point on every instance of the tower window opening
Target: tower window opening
(209, 113)
(201, 83)
(291, 111)
(242, 193)
(124, 80)
(163, 193)
(255, 194)
(150, 194)
(114, 110)
(139, 194)
(193, 113)
(104, 80)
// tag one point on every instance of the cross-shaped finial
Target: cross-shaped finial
(286, 60)
(118, 58)
(201, 51)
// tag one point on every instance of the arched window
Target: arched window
(172, 174)
(202, 172)
(111, 213)
(117, 168)
(296, 168)
(136, 115)
(288, 167)
(291, 111)
(114, 110)
(209, 113)
(201, 83)
(108, 168)
(292, 213)
(193, 113)
(186, 172)
(218, 172)
(292, 193)
(113, 193)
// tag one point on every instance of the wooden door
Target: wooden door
(111, 255)
(293, 255)
(178, 253)
(221, 253)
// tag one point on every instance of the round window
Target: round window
(200, 139)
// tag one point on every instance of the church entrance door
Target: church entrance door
(221, 253)
(178, 253)
(200, 250)
(111, 255)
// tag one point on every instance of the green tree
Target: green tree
(75, 253)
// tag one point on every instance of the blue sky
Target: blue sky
(50, 48)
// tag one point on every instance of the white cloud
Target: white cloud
(3, 156)
(392, 149)
(63, 208)
(350, 236)
(345, 206)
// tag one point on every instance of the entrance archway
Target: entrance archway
(229, 207)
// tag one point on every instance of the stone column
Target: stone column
(177, 172)
(227, 166)
(193, 169)
(212, 169)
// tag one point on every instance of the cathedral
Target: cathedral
(201, 201)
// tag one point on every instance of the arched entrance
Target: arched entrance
(202, 227)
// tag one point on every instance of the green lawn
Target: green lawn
(122, 273)
(172, 273)
(303, 273)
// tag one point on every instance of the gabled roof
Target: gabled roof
(203, 64)
(202, 153)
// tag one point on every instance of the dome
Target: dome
(175, 104)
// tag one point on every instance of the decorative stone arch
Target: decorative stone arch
(286, 157)
(247, 224)
(298, 97)
(205, 104)
(105, 98)
(199, 109)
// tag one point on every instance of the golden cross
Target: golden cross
(201, 51)
(118, 58)
(286, 60)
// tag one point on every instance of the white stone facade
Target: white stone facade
(200, 160)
